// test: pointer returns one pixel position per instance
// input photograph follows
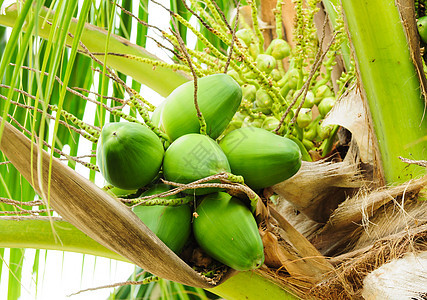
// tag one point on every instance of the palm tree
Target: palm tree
(64, 76)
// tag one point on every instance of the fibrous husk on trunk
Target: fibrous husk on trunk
(366, 231)
(364, 225)
(318, 187)
(352, 267)
(358, 220)
(404, 278)
(281, 255)
(377, 227)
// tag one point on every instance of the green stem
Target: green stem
(329, 142)
(254, 14)
(333, 8)
(163, 201)
(390, 83)
(27, 233)
(38, 234)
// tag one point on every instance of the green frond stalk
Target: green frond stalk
(391, 85)
(16, 262)
(37, 234)
(28, 232)
(68, 73)
(104, 80)
(10, 48)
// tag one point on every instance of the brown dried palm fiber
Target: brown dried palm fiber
(394, 217)
(343, 229)
(383, 212)
(364, 204)
(345, 282)
(318, 187)
(348, 278)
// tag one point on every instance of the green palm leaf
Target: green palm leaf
(94, 39)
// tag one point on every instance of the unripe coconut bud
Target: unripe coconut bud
(304, 117)
(239, 116)
(309, 145)
(276, 75)
(326, 105)
(292, 78)
(324, 131)
(248, 74)
(263, 101)
(249, 92)
(156, 116)
(310, 132)
(265, 63)
(279, 49)
(322, 91)
(245, 35)
(234, 75)
(270, 123)
(284, 91)
(234, 124)
(251, 122)
(309, 100)
(253, 50)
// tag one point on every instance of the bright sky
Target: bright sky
(61, 273)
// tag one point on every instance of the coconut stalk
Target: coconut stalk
(390, 83)
(36, 233)
(51, 234)
(161, 79)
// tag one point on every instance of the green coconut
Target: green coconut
(171, 224)
(260, 156)
(218, 97)
(193, 157)
(129, 155)
(227, 231)
(156, 116)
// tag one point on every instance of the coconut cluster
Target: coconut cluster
(132, 157)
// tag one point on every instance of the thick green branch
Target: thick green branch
(390, 83)
(27, 232)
